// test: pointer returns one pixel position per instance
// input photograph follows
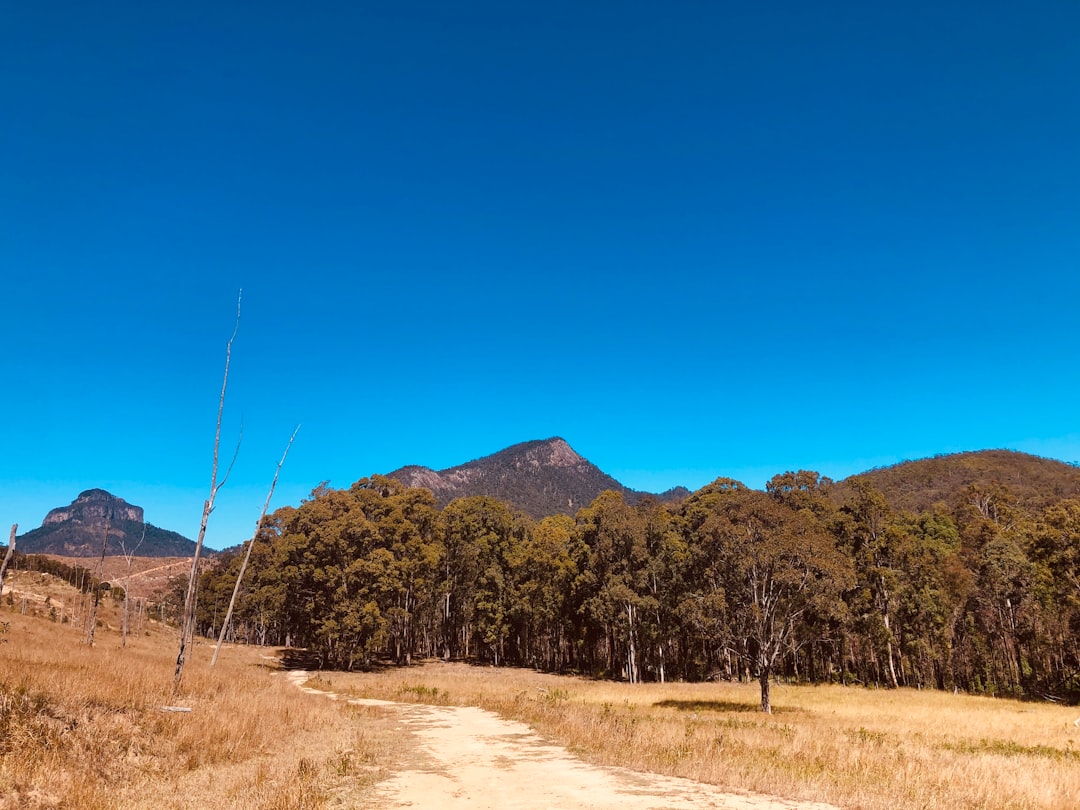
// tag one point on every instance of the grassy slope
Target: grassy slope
(82, 727)
(149, 576)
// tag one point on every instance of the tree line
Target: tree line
(801, 581)
(79, 577)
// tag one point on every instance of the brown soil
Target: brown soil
(462, 757)
(150, 576)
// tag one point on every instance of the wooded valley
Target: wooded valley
(809, 581)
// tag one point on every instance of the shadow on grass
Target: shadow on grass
(296, 658)
(299, 659)
(719, 706)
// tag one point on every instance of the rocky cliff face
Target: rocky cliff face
(94, 506)
(540, 478)
(79, 529)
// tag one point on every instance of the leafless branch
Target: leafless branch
(127, 583)
(236, 452)
(187, 621)
(247, 553)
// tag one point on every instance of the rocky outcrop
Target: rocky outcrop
(93, 506)
(79, 530)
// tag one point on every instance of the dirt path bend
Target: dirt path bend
(472, 758)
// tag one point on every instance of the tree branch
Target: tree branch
(187, 622)
(247, 553)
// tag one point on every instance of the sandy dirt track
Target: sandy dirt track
(471, 758)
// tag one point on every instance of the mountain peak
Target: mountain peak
(79, 529)
(558, 453)
(540, 477)
(553, 452)
(93, 506)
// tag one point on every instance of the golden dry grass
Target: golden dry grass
(82, 727)
(855, 748)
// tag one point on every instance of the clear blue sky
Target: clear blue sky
(692, 238)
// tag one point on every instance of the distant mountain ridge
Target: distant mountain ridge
(541, 477)
(78, 530)
(547, 477)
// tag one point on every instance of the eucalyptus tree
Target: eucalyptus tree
(543, 570)
(618, 561)
(479, 534)
(870, 533)
(774, 568)
(667, 561)
(1055, 551)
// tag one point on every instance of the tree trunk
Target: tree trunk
(97, 588)
(763, 679)
(187, 620)
(889, 651)
(247, 553)
(128, 555)
(7, 557)
(124, 626)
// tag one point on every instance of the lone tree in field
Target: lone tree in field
(776, 567)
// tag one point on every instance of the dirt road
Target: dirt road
(471, 758)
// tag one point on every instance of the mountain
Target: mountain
(543, 477)
(1034, 482)
(78, 530)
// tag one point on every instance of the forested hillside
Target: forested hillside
(983, 595)
(75, 539)
(1031, 481)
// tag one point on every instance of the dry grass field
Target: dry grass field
(83, 727)
(855, 748)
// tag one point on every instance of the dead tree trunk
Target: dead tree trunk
(97, 588)
(187, 620)
(127, 585)
(7, 557)
(247, 553)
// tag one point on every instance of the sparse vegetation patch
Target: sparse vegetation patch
(83, 727)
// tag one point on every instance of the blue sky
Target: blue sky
(693, 239)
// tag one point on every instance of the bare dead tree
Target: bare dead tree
(128, 555)
(97, 587)
(187, 620)
(7, 557)
(247, 553)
